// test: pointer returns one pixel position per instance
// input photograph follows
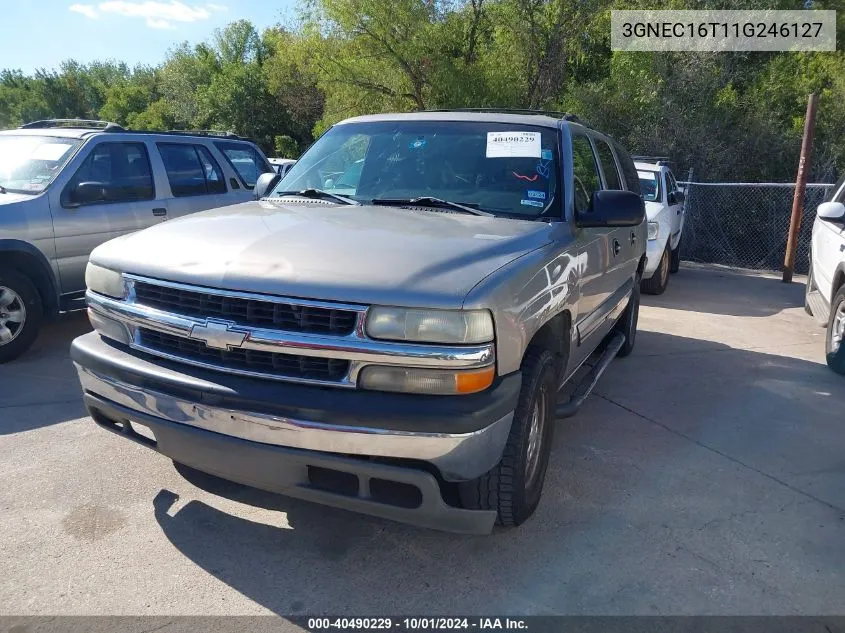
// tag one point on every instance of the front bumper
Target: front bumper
(273, 436)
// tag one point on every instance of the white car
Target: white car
(664, 206)
(282, 165)
(825, 298)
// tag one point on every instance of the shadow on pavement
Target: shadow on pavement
(41, 388)
(700, 479)
(730, 293)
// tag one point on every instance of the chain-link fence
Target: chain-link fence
(746, 224)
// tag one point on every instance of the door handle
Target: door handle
(633, 238)
(616, 247)
(159, 211)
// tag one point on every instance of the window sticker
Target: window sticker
(544, 169)
(537, 195)
(513, 145)
(531, 203)
(417, 144)
(546, 154)
(49, 151)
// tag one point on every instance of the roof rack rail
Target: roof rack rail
(92, 124)
(220, 133)
(565, 116)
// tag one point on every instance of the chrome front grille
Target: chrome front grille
(290, 317)
(263, 336)
(245, 360)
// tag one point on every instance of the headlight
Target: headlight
(430, 326)
(431, 381)
(653, 230)
(104, 281)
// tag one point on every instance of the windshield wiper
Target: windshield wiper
(319, 194)
(429, 201)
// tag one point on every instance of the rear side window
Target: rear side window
(191, 170)
(608, 165)
(586, 175)
(245, 160)
(629, 172)
(113, 172)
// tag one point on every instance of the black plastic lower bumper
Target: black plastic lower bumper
(398, 493)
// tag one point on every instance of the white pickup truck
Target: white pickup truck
(664, 206)
(825, 298)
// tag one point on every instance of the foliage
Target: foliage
(735, 116)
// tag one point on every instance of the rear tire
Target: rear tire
(513, 487)
(656, 285)
(627, 324)
(21, 314)
(675, 258)
(835, 339)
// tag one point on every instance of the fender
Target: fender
(37, 267)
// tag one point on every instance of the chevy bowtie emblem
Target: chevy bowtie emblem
(217, 334)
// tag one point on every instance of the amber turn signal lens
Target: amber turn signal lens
(473, 381)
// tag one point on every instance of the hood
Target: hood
(652, 209)
(357, 254)
(10, 197)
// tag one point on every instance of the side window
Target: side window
(243, 158)
(113, 172)
(191, 170)
(214, 182)
(586, 176)
(671, 185)
(632, 179)
(608, 165)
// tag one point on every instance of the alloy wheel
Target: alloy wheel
(12, 315)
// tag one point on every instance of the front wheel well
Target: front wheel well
(28, 265)
(555, 337)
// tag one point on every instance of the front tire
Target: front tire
(656, 285)
(21, 314)
(513, 487)
(627, 324)
(835, 339)
(675, 258)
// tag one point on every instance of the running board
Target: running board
(588, 383)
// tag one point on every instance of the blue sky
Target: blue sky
(43, 33)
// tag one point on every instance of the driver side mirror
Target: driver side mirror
(613, 208)
(832, 211)
(87, 193)
(675, 197)
(266, 183)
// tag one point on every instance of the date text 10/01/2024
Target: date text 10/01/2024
(416, 624)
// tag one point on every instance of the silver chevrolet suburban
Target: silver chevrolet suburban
(393, 329)
(68, 185)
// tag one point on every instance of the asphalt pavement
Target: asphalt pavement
(706, 475)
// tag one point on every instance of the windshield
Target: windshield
(650, 185)
(29, 163)
(500, 168)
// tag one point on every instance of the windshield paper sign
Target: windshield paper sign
(513, 145)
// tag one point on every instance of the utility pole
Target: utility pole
(800, 186)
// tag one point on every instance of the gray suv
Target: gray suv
(394, 329)
(67, 186)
